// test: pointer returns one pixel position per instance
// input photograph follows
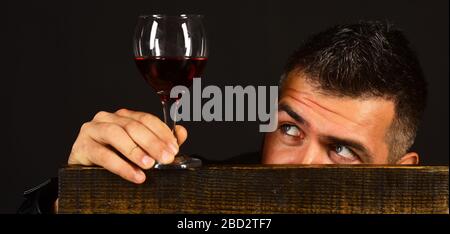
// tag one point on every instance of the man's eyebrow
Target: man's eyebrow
(362, 151)
(292, 113)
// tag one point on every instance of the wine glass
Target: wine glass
(170, 50)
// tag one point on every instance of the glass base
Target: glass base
(181, 162)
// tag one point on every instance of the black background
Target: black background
(63, 61)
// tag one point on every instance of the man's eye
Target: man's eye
(290, 130)
(345, 152)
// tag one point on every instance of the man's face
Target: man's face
(316, 128)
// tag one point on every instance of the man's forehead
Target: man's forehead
(360, 111)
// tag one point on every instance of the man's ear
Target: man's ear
(411, 158)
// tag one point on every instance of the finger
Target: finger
(151, 122)
(77, 155)
(150, 145)
(115, 136)
(104, 157)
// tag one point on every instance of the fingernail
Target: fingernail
(146, 160)
(166, 157)
(173, 148)
(139, 176)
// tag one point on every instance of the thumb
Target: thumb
(181, 134)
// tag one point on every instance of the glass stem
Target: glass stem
(167, 104)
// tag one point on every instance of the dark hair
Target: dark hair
(368, 59)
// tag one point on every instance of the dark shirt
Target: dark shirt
(41, 199)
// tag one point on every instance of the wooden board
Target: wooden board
(259, 189)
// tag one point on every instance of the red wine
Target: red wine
(163, 73)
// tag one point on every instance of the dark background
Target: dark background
(63, 61)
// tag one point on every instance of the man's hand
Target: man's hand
(140, 137)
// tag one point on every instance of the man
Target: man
(351, 94)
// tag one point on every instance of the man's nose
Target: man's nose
(312, 154)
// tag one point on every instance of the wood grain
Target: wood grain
(259, 189)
